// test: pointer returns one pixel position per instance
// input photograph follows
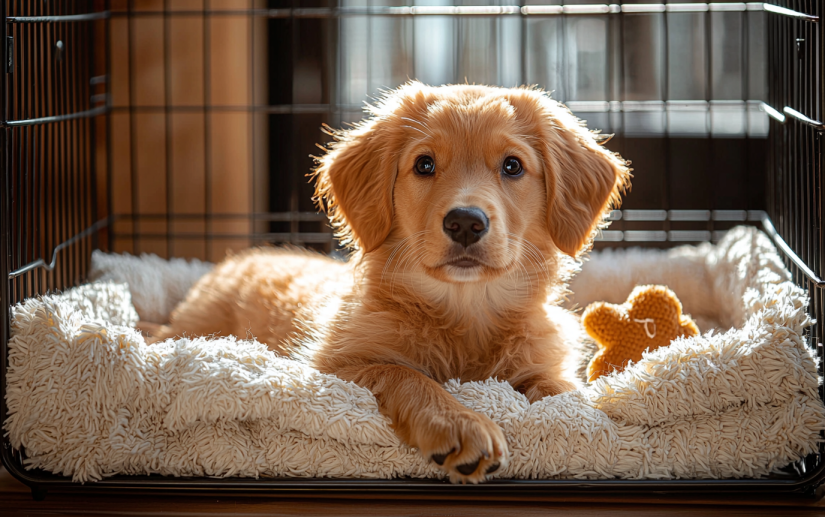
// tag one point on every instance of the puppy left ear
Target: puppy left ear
(585, 184)
(583, 180)
(354, 183)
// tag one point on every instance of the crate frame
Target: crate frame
(795, 172)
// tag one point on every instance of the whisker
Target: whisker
(411, 257)
(527, 276)
(402, 256)
(401, 263)
(535, 255)
(425, 126)
(395, 250)
(516, 262)
(534, 261)
(419, 261)
(392, 255)
(416, 129)
(418, 246)
(399, 251)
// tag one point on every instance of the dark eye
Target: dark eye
(511, 167)
(424, 166)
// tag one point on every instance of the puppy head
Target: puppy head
(471, 181)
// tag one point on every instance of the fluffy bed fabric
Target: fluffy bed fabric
(88, 398)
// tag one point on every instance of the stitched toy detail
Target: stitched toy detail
(651, 317)
(645, 321)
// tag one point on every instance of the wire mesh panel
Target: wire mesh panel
(217, 105)
(210, 142)
(50, 202)
(51, 119)
(51, 211)
(678, 69)
(795, 202)
(680, 84)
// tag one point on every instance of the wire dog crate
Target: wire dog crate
(183, 128)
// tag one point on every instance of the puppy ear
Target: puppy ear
(354, 182)
(583, 180)
(588, 181)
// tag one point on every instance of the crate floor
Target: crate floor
(16, 499)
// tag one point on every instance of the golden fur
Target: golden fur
(399, 318)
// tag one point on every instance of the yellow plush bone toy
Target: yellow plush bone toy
(651, 317)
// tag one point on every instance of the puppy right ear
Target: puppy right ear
(355, 179)
(582, 179)
(354, 183)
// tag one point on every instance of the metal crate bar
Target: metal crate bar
(94, 112)
(59, 19)
(49, 266)
(465, 10)
(819, 126)
(795, 162)
(49, 217)
(789, 12)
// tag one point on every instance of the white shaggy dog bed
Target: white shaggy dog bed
(88, 398)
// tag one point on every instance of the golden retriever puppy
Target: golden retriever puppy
(460, 203)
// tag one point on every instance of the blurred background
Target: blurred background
(216, 105)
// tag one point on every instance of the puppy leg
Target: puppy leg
(468, 445)
(155, 332)
(149, 329)
(539, 387)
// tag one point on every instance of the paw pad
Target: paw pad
(439, 459)
(468, 468)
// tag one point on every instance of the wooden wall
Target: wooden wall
(187, 151)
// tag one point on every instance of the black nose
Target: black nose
(466, 225)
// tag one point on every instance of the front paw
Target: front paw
(467, 445)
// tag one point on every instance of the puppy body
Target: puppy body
(461, 202)
(468, 331)
(271, 294)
